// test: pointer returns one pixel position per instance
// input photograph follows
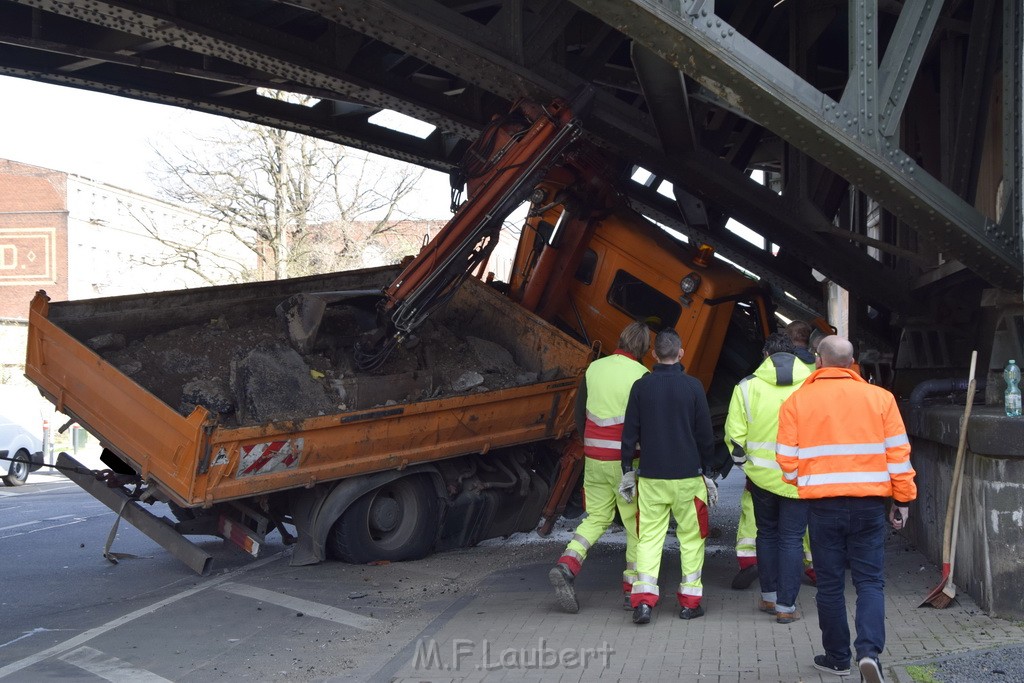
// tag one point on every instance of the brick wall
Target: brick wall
(33, 236)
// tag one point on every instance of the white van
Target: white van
(21, 449)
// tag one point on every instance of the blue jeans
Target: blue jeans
(781, 523)
(849, 532)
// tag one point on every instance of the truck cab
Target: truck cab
(622, 267)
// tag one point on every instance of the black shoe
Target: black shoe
(642, 614)
(870, 670)
(826, 664)
(744, 577)
(691, 612)
(626, 602)
(561, 578)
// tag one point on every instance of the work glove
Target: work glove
(898, 516)
(712, 491)
(627, 487)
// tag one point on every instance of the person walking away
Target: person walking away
(842, 443)
(800, 333)
(668, 413)
(781, 517)
(600, 411)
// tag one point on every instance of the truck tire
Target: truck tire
(394, 522)
(18, 474)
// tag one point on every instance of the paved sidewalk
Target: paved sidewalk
(510, 628)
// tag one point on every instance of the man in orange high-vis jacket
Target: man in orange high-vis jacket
(842, 442)
(600, 411)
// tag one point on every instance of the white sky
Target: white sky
(106, 138)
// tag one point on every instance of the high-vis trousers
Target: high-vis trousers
(601, 480)
(686, 500)
(746, 532)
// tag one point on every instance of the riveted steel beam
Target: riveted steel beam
(708, 49)
(861, 94)
(903, 55)
(1013, 120)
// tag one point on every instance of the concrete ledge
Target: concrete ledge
(990, 535)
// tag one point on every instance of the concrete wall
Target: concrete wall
(990, 533)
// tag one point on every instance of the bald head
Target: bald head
(835, 352)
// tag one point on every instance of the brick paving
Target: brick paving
(509, 627)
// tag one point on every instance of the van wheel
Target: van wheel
(18, 474)
(395, 522)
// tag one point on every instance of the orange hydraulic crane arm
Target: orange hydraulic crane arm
(502, 168)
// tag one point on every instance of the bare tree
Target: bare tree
(295, 204)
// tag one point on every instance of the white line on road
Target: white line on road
(86, 636)
(35, 521)
(76, 520)
(313, 609)
(27, 634)
(109, 667)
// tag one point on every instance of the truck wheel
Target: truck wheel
(397, 521)
(18, 474)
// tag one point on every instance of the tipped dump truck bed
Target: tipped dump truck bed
(202, 457)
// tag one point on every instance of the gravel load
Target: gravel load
(247, 373)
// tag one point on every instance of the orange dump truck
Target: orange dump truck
(393, 480)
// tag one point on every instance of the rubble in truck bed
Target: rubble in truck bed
(247, 373)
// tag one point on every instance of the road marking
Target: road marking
(76, 520)
(307, 607)
(109, 667)
(35, 521)
(28, 634)
(86, 636)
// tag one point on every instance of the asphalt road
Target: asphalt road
(70, 615)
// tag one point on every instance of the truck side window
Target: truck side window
(587, 267)
(642, 302)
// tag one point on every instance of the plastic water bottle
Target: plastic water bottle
(1011, 399)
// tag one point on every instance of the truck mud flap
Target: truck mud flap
(145, 521)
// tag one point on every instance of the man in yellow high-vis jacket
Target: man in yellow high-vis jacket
(781, 517)
(600, 411)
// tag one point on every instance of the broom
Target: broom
(944, 593)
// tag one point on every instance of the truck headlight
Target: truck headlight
(690, 283)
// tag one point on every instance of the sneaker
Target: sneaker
(562, 579)
(691, 612)
(826, 664)
(787, 617)
(642, 614)
(626, 604)
(765, 606)
(870, 671)
(744, 577)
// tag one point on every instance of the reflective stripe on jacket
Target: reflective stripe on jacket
(608, 383)
(753, 420)
(840, 436)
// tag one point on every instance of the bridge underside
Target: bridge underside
(888, 132)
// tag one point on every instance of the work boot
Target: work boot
(562, 579)
(691, 612)
(626, 603)
(787, 617)
(642, 614)
(745, 577)
(870, 670)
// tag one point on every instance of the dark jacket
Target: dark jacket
(668, 414)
